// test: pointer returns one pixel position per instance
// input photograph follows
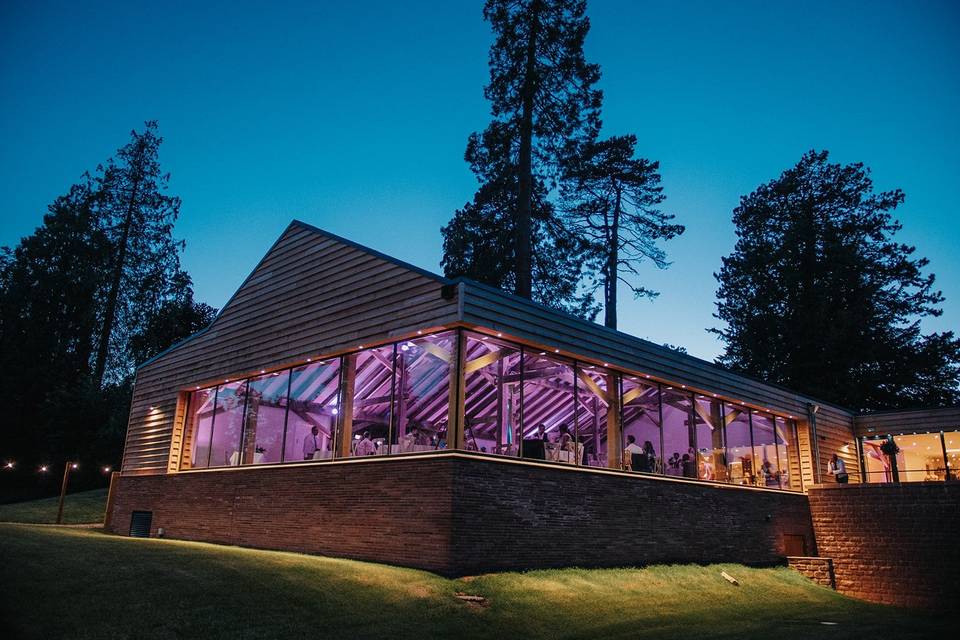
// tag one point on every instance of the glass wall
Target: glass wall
(369, 379)
(491, 396)
(228, 424)
(199, 428)
(679, 436)
(593, 408)
(314, 411)
(640, 410)
(423, 393)
(396, 399)
(266, 414)
(548, 427)
(920, 457)
(765, 450)
(711, 452)
(739, 445)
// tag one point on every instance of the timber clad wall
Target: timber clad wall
(457, 514)
(895, 544)
(312, 294)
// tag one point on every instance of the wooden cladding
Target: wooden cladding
(315, 294)
(311, 294)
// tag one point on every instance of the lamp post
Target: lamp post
(63, 487)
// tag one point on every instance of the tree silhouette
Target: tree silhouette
(817, 295)
(543, 102)
(138, 218)
(611, 200)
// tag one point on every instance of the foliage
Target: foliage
(68, 582)
(611, 200)
(543, 101)
(92, 290)
(137, 216)
(817, 295)
(479, 242)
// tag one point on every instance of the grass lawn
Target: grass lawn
(82, 583)
(78, 508)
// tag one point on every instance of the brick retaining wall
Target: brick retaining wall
(895, 544)
(820, 570)
(458, 514)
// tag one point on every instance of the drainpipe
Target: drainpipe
(812, 410)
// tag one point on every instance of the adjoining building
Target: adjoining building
(346, 403)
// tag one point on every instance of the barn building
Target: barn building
(346, 403)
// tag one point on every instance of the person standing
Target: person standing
(310, 444)
(366, 447)
(838, 469)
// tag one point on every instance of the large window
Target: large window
(595, 385)
(266, 414)
(549, 430)
(491, 396)
(423, 392)
(396, 398)
(642, 444)
(679, 438)
(228, 424)
(739, 446)
(920, 457)
(199, 428)
(369, 381)
(711, 455)
(765, 450)
(314, 411)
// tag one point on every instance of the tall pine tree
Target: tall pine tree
(818, 295)
(138, 217)
(544, 101)
(611, 200)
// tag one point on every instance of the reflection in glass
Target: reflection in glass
(228, 424)
(492, 396)
(642, 446)
(548, 410)
(266, 413)
(199, 428)
(314, 411)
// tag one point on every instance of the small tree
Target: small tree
(817, 295)
(612, 201)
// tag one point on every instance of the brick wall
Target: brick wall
(457, 514)
(514, 516)
(896, 544)
(820, 570)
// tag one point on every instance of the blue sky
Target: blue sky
(354, 118)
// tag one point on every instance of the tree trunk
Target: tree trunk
(110, 311)
(524, 268)
(613, 260)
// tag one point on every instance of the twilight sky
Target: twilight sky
(354, 117)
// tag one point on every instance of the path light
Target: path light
(43, 468)
(9, 465)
